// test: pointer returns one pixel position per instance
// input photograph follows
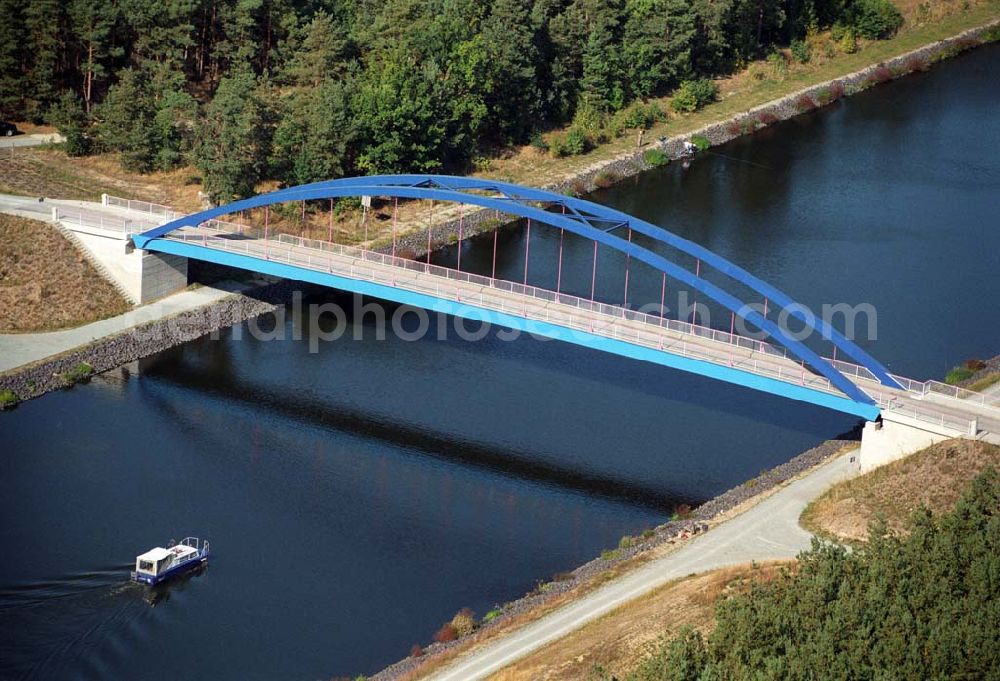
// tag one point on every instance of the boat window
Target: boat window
(146, 566)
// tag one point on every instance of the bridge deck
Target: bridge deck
(581, 315)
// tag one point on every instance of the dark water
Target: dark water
(357, 497)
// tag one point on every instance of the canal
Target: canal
(356, 497)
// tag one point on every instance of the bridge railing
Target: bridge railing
(380, 268)
(118, 226)
(537, 293)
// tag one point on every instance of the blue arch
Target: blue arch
(581, 217)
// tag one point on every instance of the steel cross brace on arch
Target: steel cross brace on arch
(584, 218)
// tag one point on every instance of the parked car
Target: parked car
(7, 129)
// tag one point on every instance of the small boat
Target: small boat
(159, 564)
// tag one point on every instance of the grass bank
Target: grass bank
(933, 478)
(46, 283)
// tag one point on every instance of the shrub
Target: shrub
(734, 128)
(882, 74)
(562, 576)
(626, 542)
(538, 142)
(875, 19)
(656, 157)
(464, 622)
(482, 164)
(636, 115)
(416, 650)
(836, 90)
(648, 533)
(557, 145)
(694, 94)
(701, 142)
(974, 364)
(445, 634)
(849, 43)
(605, 179)
(917, 63)
(779, 67)
(492, 615)
(579, 188)
(8, 398)
(81, 372)
(610, 554)
(767, 118)
(802, 51)
(958, 374)
(577, 141)
(804, 103)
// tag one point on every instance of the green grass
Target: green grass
(958, 374)
(8, 399)
(81, 372)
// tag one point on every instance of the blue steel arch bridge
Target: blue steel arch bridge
(850, 380)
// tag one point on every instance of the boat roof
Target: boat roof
(156, 554)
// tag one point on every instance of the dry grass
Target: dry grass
(46, 283)
(50, 173)
(987, 381)
(934, 477)
(619, 641)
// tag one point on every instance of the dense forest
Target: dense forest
(921, 606)
(300, 90)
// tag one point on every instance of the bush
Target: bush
(802, 51)
(882, 74)
(8, 398)
(445, 634)
(701, 142)
(538, 142)
(917, 63)
(975, 364)
(610, 554)
(656, 157)
(81, 372)
(637, 115)
(779, 67)
(557, 145)
(416, 651)
(734, 128)
(767, 118)
(626, 542)
(958, 374)
(804, 103)
(492, 615)
(577, 141)
(875, 19)
(464, 622)
(694, 94)
(605, 179)
(836, 90)
(849, 43)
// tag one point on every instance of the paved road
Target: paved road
(770, 530)
(36, 140)
(17, 349)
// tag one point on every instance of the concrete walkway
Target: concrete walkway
(770, 530)
(23, 348)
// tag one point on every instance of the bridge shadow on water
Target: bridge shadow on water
(210, 369)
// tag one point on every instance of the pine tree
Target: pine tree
(234, 138)
(92, 22)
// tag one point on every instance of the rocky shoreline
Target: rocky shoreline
(670, 532)
(634, 162)
(62, 371)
